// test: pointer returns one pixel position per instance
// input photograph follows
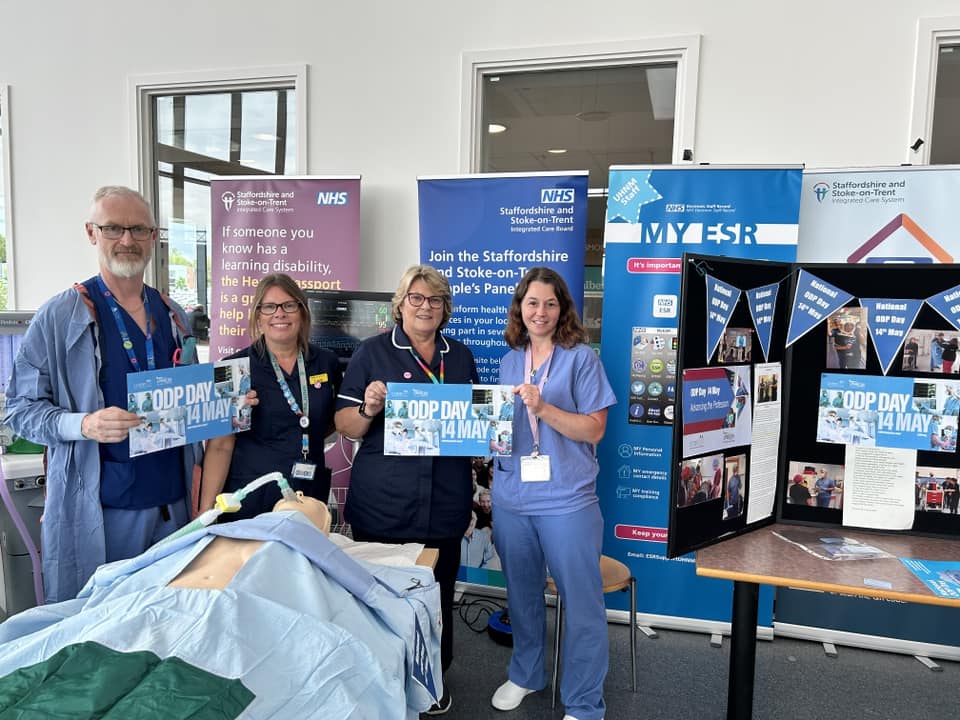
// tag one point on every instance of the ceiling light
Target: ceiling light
(557, 151)
(265, 136)
(593, 115)
(494, 128)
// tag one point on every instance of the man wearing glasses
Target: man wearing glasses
(68, 391)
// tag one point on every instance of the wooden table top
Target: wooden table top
(773, 555)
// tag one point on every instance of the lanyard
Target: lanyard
(122, 327)
(530, 372)
(423, 366)
(304, 414)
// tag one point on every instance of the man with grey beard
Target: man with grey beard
(68, 391)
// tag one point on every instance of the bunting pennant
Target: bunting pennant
(814, 301)
(763, 301)
(721, 300)
(947, 303)
(889, 321)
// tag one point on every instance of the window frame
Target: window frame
(684, 50)
(143, 88)
(7, 169)
(932, 35)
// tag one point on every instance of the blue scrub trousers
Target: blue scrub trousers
(127, 533)
(570, 545)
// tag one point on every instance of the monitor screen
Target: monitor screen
(12, 327)
(339, 320)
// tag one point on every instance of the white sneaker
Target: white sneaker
(509, 696)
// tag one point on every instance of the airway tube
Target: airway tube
(25, 534)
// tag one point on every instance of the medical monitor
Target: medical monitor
(341, 319)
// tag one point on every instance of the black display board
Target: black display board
(804, 362)
(694, 525)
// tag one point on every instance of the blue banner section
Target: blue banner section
(893, 412)
(654, 215)
(188, 404)
(947, 303)
(888, 321)
(721, 300)
(941, 576)
(485, 232)
(448, 419)
(814, 301)
(763, 301)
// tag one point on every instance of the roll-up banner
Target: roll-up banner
(654, 215)
(875, 215)
(483, 232)
(306, 227)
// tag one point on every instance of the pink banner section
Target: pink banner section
(306, 227)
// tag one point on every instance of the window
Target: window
(7, 296)
(192, 129)
(581, 108)
(935, 124)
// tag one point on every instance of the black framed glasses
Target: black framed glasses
(289, 306)
(115, 232)
(416, 299)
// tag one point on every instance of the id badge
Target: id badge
(303, 470)
(534, 468)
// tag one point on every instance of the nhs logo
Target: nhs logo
(556, 195)
(332, 198)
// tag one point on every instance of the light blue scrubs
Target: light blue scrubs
(555, 524)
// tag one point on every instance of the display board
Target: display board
(868, 398)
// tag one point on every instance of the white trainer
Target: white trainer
(509, 696)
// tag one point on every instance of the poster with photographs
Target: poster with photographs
(716, 409)
(736, 346)
(734, 486)
(701, 479)
(815, 485)
(937, 490)
(847, 339)
(931, 351)
(188, 404)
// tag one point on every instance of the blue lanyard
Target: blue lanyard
(304, 414)
(122, 327)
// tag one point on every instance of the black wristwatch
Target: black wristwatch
(362, 409)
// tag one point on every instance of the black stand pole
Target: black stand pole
(743, 650)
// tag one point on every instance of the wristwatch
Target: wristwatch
(362, 409)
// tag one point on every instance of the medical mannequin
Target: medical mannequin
(221, 560)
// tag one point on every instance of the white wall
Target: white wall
(821, 82)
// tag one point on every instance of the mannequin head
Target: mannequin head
(315, 510)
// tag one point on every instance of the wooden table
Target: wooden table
(762, 557)
(428, 557)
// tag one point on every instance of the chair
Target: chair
(616, 577)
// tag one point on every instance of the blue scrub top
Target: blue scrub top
(146, 480)
(576, 383)
(273, 442)
(405, 497)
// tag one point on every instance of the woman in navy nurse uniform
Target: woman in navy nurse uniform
(296, 383)
(409, 499)
(545, 502)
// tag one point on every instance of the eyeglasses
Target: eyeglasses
(416, 299)
(115, 232)
(270, 308)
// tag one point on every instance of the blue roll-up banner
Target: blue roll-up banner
(484, 232)
(878, 215)
(654, 214)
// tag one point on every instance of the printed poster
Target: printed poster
(448, 419)
(188, 404)
(716, 409)
(306, 227)
(891, 412)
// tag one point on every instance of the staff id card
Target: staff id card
(303, 470)
(534, 468)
